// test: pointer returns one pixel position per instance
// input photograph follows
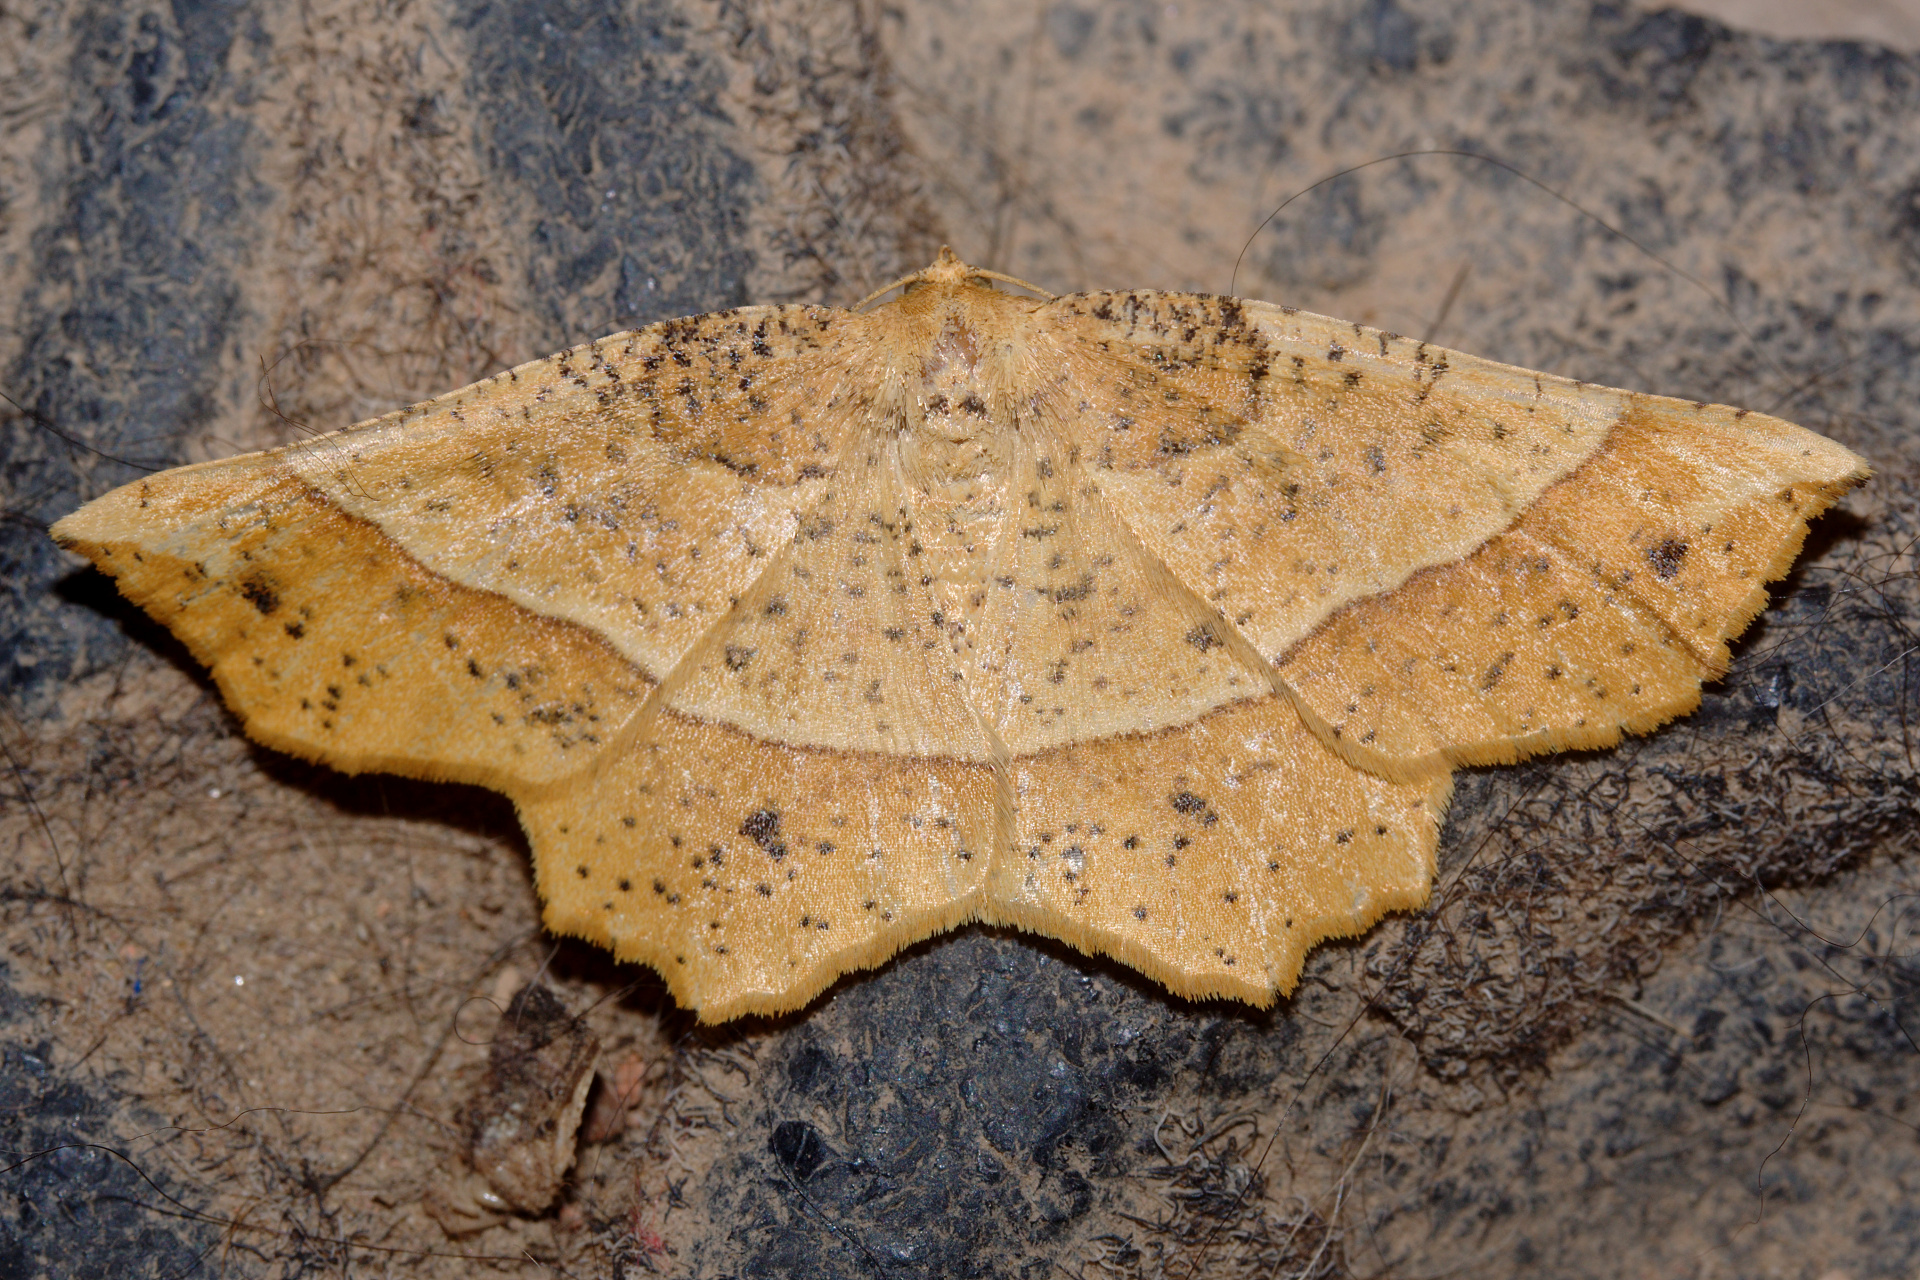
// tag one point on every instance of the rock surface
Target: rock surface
(1658, 1018)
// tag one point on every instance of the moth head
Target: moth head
(947, 270)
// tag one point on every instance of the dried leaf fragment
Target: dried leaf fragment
(521, 1121)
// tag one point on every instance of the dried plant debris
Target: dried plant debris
(523, 1119)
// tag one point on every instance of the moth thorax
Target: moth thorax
(955, 429)
(948, 441)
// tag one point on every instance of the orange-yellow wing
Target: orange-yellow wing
(1445, 560)
(485, 586)
(1154, 623)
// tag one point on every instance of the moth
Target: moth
(1152, 622)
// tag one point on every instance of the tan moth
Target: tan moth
(1152, 622)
